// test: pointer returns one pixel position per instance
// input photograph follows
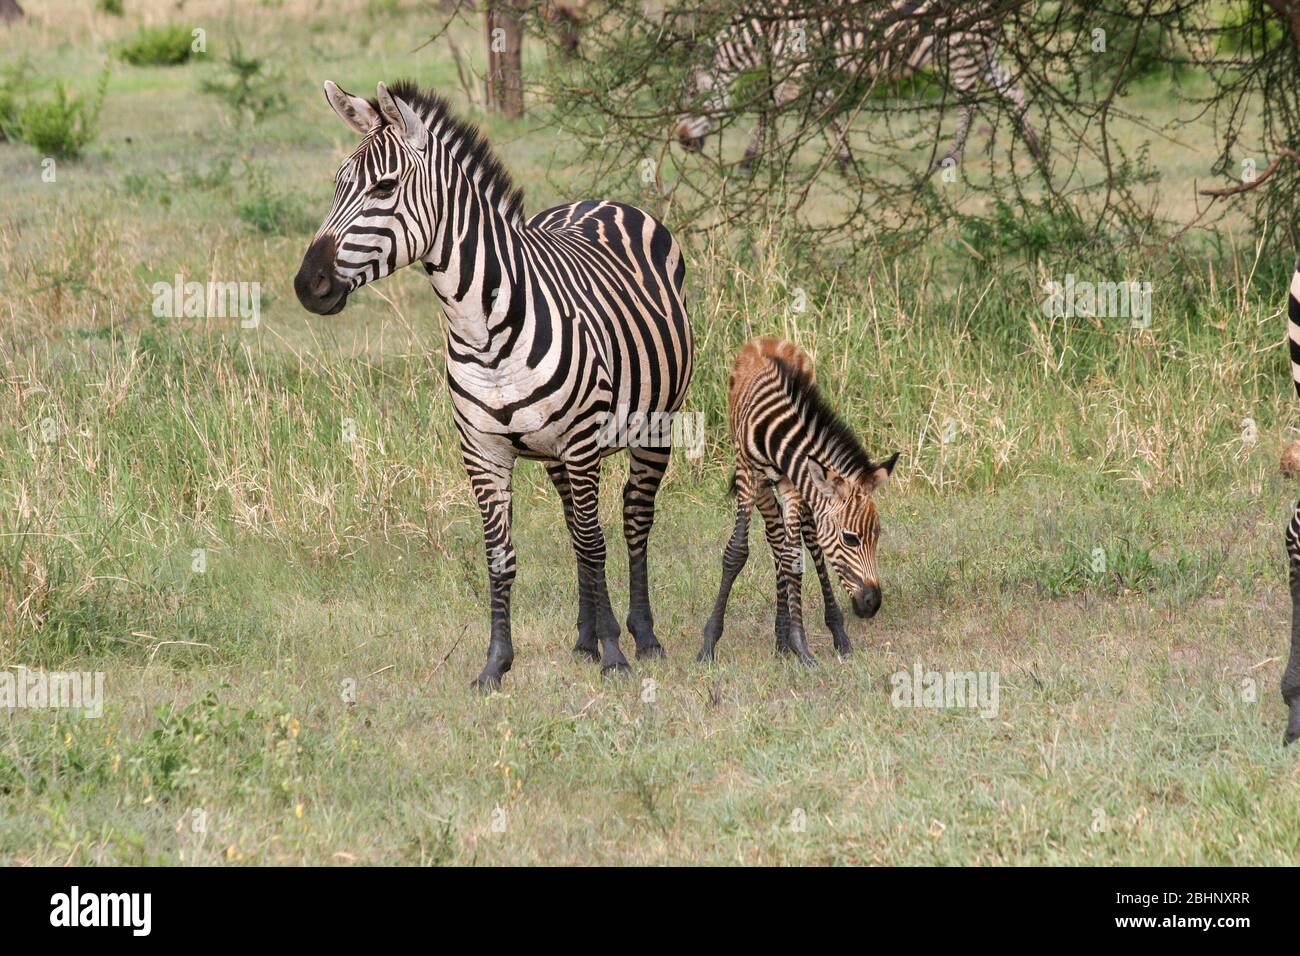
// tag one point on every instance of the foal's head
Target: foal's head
(848, 528)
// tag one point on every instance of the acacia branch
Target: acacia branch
(1283, 153)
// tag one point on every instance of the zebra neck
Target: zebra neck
(476, 266)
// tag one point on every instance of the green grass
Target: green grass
(305, 699)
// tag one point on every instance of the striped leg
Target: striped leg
(755, 145)
(834, 616)
(588, 644)
(792, 568)
(646, 467)
(1291, 676)
(489, 479)
(734, 557)
(589, 545)
(963, 73)
(774, 528)
(1000, 78)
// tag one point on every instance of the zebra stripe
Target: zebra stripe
(788, 439)
(1291, 676)
(923, 30)
(1293, 329)
(554, 325)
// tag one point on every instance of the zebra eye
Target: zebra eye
(384, 188)
(851, 540)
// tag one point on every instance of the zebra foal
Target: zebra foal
(554, 324)
(788, 438)
(903, 35)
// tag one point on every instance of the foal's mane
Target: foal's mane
(849, 457)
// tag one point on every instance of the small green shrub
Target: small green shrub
(271, 211)
(248, 87)
(64, 125)
(1248, 29)
(158, 46)
(13, 81)
(113, 8)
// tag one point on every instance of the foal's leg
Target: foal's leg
(646, 467)
(733, 560)
(963, 72)
(1291, 676)
(588, 644)
(792, 568)
(589, 545)
(1000, 78)
(774, 529)
(489, 478)
(834, 616)
(755, 145)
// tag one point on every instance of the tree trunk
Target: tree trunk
(505, 77)
(1289, 11)
(9, 10)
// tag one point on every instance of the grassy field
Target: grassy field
(265, 541)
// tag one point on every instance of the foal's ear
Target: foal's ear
(353, 110)
(826, 481)
(880, 474)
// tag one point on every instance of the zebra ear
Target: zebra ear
(353, 110)
(826, 484)
(882, 472)
(397, 112)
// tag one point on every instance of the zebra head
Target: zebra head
(692, 128)
(848, 527)
(691, 131)
(380, 220)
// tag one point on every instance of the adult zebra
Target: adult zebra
(553, 325)
(1291, 676)
(906, 36)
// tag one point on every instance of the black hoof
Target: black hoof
(651, 652)
(486, 683)
(587, 652)
(620, 669)
(705, 656)
(844, 650)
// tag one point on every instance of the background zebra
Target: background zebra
(553, 325)
(786, 435)
(903, 36)
(1291, 676)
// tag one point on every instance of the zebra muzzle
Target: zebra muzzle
(316, 284)
(690, 133)
(866, 600)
